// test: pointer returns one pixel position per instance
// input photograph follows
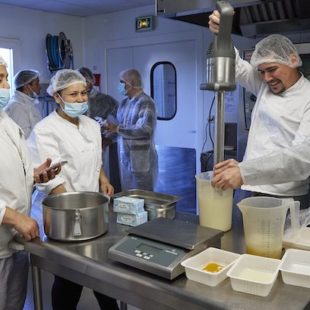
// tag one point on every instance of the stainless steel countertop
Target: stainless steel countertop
(87, 263)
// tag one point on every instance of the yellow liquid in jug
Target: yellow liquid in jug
(271, 253)
(215, 208)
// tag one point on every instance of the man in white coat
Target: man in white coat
(17, 177)
(23, 106)
(280, 118)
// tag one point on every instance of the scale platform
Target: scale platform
(159, 246)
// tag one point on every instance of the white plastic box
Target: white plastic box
(254, 274)
(131, 219)
(295, 268)
(128, 205)
(194, 266)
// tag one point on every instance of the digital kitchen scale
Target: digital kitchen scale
(159, 246)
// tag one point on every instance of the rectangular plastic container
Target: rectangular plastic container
(128, 205)
(195, 264)
(295, 268)
(254, 274)
(131, 219)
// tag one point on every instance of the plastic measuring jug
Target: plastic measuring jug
(263, 222)
(215, 206)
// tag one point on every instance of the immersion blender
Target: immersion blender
(221, 72)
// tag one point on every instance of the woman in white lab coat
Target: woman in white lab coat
(17, 178)
(68, 135)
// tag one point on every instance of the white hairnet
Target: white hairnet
(25, 77)
(3, 62)
(275, 48)
(63, 79)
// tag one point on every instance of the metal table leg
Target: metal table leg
(123, 305)
(36, 286)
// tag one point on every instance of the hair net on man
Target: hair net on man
(276, 48)
(25, 77)
(132, 77)
(3, 62)
(88, 75)
(63, 79)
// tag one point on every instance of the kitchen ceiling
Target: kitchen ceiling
(79, 7)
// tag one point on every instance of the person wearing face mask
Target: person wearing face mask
(280, 118)
(135, 127)
(101, 107)
(16, 183)
(68, 135)
(23, 108)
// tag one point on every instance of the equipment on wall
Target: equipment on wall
(59, 52)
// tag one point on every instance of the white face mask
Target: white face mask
(4, 97)
(74, 109)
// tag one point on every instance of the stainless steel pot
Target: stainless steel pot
(75, 216)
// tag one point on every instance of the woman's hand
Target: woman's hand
(45, 172)
(107, 189)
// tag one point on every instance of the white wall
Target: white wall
(118, 29)
(29, 28)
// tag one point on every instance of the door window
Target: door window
(163, 89)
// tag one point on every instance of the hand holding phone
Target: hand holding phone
(57, 165)
(43, 174)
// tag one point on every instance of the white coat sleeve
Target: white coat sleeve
(247, 76)
(290, 164)
(42, 145)
(20, 116)
(2, 210)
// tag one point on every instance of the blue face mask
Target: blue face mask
(121, 89)
(74, 109)
(4, 97)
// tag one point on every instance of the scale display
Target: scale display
(151, 256)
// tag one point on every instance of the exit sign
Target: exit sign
(144, 23)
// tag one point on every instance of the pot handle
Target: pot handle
(77, 231)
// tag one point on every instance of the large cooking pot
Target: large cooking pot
(75, 216)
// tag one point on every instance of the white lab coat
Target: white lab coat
(290, 164)
(278, 122)
(23, 110)
(16, 177)
(58, 139)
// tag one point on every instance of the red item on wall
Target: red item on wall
(97, 79)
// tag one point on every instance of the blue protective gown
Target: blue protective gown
(136, 149)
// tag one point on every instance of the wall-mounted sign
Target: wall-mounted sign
(144, 23)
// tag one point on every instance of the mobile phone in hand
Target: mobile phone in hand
(55, 166)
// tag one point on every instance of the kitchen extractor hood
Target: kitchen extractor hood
(253, 18)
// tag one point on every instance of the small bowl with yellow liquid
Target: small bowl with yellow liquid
(209, 266)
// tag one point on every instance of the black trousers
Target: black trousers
(66, 295)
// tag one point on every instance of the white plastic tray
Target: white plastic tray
(254, 274)
(301, 240)
(194, 266)
(295, 268)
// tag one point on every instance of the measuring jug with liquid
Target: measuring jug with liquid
(263, 222)
(215, 205)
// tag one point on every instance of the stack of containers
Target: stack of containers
(130, 211)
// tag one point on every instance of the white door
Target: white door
(176, 139)
(181, 130)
